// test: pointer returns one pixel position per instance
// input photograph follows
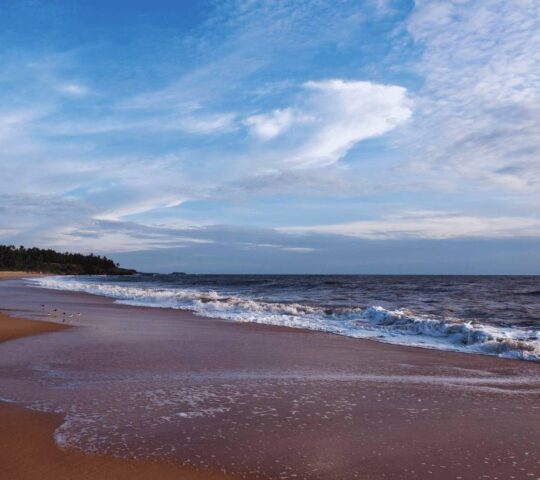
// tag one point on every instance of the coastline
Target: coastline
(27, 447)
(500, 330)
(396, 412)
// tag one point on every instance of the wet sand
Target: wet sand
(27, 447)
(28, 452)
(266, 402)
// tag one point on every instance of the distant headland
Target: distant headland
(50, 261)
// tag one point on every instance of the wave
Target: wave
(398, 326)
(532, 292)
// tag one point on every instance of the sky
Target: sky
(301, 136)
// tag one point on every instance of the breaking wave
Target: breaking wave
(399, 326)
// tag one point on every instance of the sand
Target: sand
(27, 447)
(298, 404)
(11, 328)
(4, 275)
(27, 452)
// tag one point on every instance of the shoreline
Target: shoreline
(386, 341)
(373, 390)
(27, 446)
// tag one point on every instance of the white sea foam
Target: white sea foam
(394, 326)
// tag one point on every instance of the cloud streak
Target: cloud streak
(431, 225)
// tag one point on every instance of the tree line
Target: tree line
(51, 261)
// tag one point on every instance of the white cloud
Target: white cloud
(202, 124)
(12, 122)
(134, 207)
(430, 225)
(207, 123)
(330, 117)
(270, 125)
(346, 113)
(300, 249)
(285, 248)
(101, 236)
(74, 89)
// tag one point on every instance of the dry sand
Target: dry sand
(7, 275)
(11, 328)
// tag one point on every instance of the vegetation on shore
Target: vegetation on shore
(50, 261)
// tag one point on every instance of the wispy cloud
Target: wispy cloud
(430, 225)
(478, 117)
(269, 125)
(74, 89)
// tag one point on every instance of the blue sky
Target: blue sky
(286, 137)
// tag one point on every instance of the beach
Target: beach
(135, 389)
(27, 447)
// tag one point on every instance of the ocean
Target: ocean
(495, 315)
